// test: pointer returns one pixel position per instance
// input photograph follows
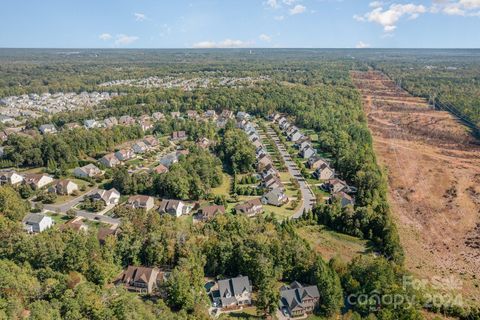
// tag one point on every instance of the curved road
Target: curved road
(307, 194)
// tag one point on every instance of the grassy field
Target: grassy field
(330, 243)
(224, 188)
(59, 219)
(245, 313)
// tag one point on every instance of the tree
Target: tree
(268, 297)
(328, 283)
(11, 205)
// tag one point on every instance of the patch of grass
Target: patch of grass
(245, 313)
(330, 243)
(59, 219)
(224, 188)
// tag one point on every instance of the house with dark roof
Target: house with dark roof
(35, 223)
(10, 177)
(250, 208)
(275, 197)
(335, 185)
(209, 212)
(233, 292)
(299, 300)
(139, 279)
(343, 198)
(173, 207)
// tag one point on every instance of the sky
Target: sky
(240, 24)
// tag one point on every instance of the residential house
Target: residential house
(335, 185)
(304, 144)
(250, 208)
(88, 171)
(315, 162)
(169, 159)
(192, 114)
(209, 212)
(110, 122)
(226, 114)
(109, 160)
(257, 144)
(10, 178)
(160, 169)
(3, 136)
(175, 115)
(242, 116)
(178, 136)
(210, 115)
(203, 143)
(151, 142)
(173, 207)
(63, 187)
(263, 162)
(37, 180)
(140, 147)
(75, 224)
(109, 197)
(275, 197)
(272, 181)
(35, 223)
(233, 292)
(158, 116)
(126, 121)
(145, 124)
(269, 170)
(47, 128)
(299, 300)
(295, 136)
(104, 233)
(139, 279)
(324, 172)
(141, 202)
(307, 152)
(345, 199)
(91, 124)
(125, 154)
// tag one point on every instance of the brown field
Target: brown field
(433, 166)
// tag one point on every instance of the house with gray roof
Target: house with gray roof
(35, 223)
(298, 300)
(233, 292)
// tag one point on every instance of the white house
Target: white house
(307, 152)
(91, 123)
(36, 180)
(10, 178)
(173, 207)
(111, 196)
(35, 223)
(63, 187)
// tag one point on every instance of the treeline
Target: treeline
(65, 149)
(191, 178)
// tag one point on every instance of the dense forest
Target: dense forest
(63, 274)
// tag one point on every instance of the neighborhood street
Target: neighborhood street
(307, 194)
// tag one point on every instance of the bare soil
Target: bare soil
(433, 166)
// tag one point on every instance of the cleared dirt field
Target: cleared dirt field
(433, 166)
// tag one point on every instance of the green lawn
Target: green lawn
(245, 313)
(330, 243)
(224, 188)
(59, 219)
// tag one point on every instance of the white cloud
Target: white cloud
(456, 7)
(388, 18)
(297, 9)
(105, 36)
(279, 18)
(375, 4)
(140, 16)
(362, 45)
(272, 4)
(289, 2)
(227, 43)
(124, 40)
(265, 37)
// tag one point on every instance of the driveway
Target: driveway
(307, 194)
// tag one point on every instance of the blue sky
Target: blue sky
(240, 23)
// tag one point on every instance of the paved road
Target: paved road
(64, 207)
(307, 194)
